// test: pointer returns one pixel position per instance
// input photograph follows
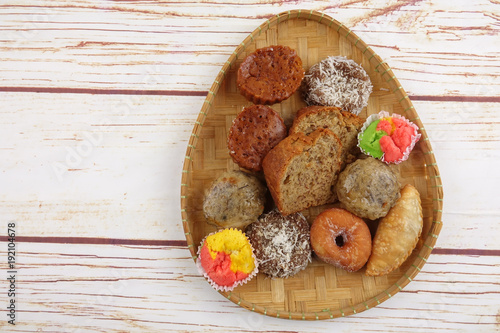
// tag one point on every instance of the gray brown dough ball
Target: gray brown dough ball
(368, 188)
(235, 199)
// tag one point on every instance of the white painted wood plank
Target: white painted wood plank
(433, 48)
(466, 140)
(109, 166)
(63, 175)
(106, 288)
(66, 175)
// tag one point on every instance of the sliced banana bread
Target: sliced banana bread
(301, 170)
(344, 124)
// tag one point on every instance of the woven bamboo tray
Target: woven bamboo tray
(321, 291)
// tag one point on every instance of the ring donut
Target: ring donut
(342, 239)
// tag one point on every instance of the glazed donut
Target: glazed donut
(342, 239)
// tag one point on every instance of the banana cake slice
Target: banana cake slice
(301, 170)
(344, 124)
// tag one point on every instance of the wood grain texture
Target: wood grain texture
(147, 46)
(98, 102)
(46, 180)
(136, 288)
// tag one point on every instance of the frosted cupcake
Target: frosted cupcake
(389, 138)
(226, 259)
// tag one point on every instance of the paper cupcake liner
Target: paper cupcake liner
(385, 114)
(236, 283)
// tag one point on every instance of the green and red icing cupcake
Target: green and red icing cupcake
(226, 259)
(387, 137)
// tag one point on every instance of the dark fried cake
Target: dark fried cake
(270, 74)
(254, 132)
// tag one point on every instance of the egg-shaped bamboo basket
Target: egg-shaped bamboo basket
(321, 291)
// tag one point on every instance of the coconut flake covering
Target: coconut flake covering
(337, 81)
(281, 243)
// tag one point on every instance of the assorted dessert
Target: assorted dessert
(397, 233)
(368, 188)
(337, 81)
(344, 124)
(254, 132)
(281, 243)
(226, 259)
(300, 171)
(390, 138)
(330, 158)
(235, 199)
(270, 74)
(342, 239)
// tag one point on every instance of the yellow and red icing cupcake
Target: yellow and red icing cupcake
(226, 259)
(389, 138)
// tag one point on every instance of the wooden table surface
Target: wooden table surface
(97, 103)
